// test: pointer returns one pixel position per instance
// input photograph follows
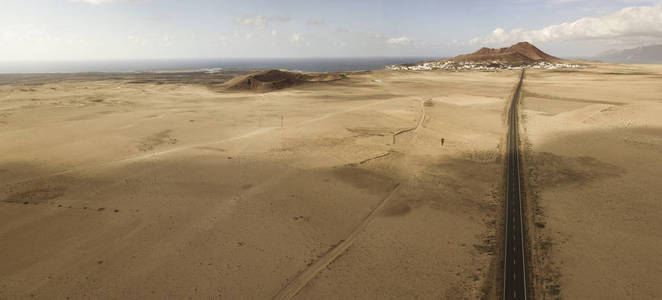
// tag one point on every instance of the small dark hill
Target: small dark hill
(271, 80)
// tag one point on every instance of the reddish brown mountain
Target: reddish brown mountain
(522, 53)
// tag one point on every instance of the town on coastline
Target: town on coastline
(451, 65)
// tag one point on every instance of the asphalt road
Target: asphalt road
(514, 268)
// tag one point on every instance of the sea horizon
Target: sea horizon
(310, 64)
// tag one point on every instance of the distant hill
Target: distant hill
(642, 55)
(522, 53)
(271, 80)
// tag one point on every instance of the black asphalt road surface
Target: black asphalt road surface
(514, 268)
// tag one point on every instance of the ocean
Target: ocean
(294, 64)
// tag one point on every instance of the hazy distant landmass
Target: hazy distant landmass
(297, 64)
(641, 55)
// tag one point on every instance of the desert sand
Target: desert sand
(593, 155)
(160, 186)
(138, 187)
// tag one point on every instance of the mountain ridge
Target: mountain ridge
(518, 54)
(650, 54)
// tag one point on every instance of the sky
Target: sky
(34, 30)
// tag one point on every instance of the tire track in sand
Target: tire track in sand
(418, 125)
(302, 279)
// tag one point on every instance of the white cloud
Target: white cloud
(167, 40)
(316, 22)
(259, 22)
(403, 40)
(223, 39)
(102, 1)
(281, 18)
(136, 39)
(629, 25)
(297, 37)
(28, 33)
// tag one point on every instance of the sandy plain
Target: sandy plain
(137, 187)
(593, 155)
(166, 186)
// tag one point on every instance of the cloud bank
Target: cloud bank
(297, 37)
(259, 22)
(631, 25)
(403, 40)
